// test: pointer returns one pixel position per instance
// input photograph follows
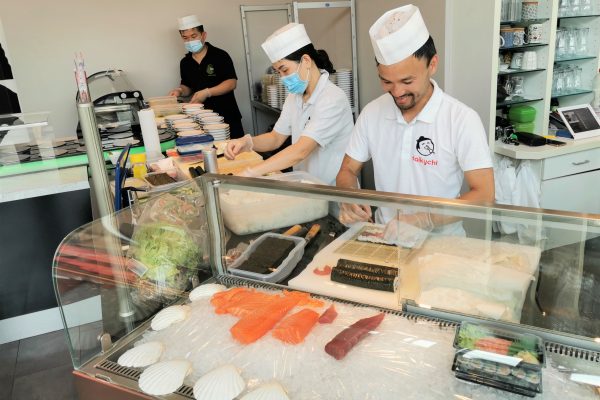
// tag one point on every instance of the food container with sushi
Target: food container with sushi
(270, 258)
(245, 212)
(499, 358)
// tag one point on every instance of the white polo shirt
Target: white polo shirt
(425, 157)
(327, 119)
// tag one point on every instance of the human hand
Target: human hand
(200, 96)
(176, 92)
(237, 146)
(408, 230)
(351, 213)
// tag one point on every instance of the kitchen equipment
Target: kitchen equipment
(116, 103)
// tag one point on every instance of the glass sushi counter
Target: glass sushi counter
(242, 288)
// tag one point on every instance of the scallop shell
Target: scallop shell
(164, 377)
(168, 316)
(204, 291)
(269, 391)
(223, 383)
(142, 355)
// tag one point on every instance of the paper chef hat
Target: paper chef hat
(284, 41)
(397, 34)
(188, 22)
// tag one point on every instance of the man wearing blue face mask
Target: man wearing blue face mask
(208, 75)
(316, 113)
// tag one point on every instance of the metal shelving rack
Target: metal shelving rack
(292, 16)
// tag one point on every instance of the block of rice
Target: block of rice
(246, 212)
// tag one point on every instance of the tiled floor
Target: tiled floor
(37, 368)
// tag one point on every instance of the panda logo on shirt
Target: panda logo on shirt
(425, 146)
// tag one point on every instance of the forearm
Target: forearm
(222, 88)
(286, 158)
(184, 91)
(346, 179)
(267, 141)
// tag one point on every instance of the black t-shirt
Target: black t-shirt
(216, 67)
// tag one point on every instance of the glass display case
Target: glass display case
(247, 287)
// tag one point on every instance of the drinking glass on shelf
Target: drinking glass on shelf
(518, 86)
(571, 40)
(564, 8)
(582, 41)
(577, 78)
(508, 86)
(586, 7)
(569, 79)
(575, 7)
(561, 43)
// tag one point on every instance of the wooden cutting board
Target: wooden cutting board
(241, 162)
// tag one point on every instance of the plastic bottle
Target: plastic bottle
(596, 90)
(138, 162)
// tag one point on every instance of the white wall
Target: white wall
(141, 38)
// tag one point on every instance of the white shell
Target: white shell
(204, 291)
(269, 391)
(142, 355)
(168, 316)
(164, 377)
(223, 383)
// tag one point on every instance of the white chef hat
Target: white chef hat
(188, 22)
(284, 41)
(397, 34)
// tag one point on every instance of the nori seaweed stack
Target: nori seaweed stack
(370, 276)
(268, 255)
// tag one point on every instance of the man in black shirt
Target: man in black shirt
(208, 75)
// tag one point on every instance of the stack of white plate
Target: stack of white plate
(282, 92)
(218, 131)
(272, 96)
(170, 119)
(210, 119)
(344, 81)
(191, 107)
(203, 113)
(191, 132)
(185, 126)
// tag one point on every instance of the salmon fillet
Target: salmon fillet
(293, 329)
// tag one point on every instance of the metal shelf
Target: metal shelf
(265, 107)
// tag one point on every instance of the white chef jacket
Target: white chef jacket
(327, 119)
(425, 157)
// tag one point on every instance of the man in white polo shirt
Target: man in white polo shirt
(421, 140)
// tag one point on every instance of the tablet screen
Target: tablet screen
(581, 120)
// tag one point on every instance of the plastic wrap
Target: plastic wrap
(401, 357)
(167, 245)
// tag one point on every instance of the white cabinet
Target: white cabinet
(473, 54)
(572, 193)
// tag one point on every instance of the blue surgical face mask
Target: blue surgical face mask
(294, 84)
(194, 46)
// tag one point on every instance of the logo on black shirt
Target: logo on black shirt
(210, 70)
(425, 146)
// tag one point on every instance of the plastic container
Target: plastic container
(521, 114)
(250, 212)
(524, 126)
(138, 162)
(161, 100)
(282, 271)
(499, 358)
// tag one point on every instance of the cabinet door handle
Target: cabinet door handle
(581, 162)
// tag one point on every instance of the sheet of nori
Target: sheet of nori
(270, 253)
